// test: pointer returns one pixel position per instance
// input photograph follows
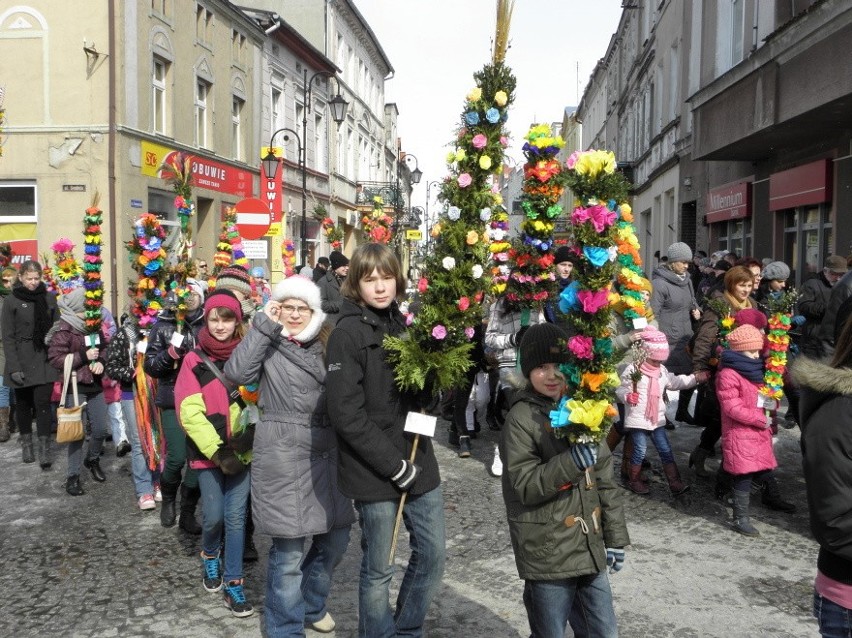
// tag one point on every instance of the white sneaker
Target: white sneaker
(158, 495)
(324, 625)
(146, 502)
(497, 463)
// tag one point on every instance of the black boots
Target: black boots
(464, 447)
(167, 507)
(27, 452)
(742, 522)
(94, 466)
(45, 456)
(188, 501)
(682, 414)
(772, 497)
(72, 485)
(696, 460)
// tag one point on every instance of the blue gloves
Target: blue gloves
(797, 320)
(584, 455)
(614, 559)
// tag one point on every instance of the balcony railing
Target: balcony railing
(391, 195)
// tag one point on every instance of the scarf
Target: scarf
(217, 350)
(42, 321)
(735, 304)
(67, 314)
(652, 408)
(748, 368)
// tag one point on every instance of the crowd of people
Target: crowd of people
(246, 429)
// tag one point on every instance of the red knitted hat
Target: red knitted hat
(751, 317)
(223, 298)
(745, 338)
(656, 344)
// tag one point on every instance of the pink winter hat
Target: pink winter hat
(750, 317)
(745, 338)
(656, 344)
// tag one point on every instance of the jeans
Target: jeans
(223, 508)
(143, 477)
(175, 452)
(424, 520)
(96, 415)
(5, 393)
(834, 621)
(640, 445)
(34, 399)
(297, 583)
(585, 602)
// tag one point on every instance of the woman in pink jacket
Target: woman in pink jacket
(746, 422)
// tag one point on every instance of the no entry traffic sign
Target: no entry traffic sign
(253, 218)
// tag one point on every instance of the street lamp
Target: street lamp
(337, 105)
(429, 186)
(416, 174)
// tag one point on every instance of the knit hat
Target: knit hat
(303, 289)
(836, 263)
(645, 284)
(745, 338)
(75, 300)
(324, 261)
(195, 286)
(542, 343)
(679, 252)
(223, 298)
(776, 271)
(563, 253)
(258, 272)
(722, 264)
(338, 259)
(234, 278)
(655, 344)
(751, 317)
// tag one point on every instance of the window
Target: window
(18, 202)
(238, 47)
(202, 91)
(320, 144)
(161, 7)
(735, 236)
(203, 24)
(159, 91)
(276, 109)
(730, 24)
(237, 128)
(808, 237)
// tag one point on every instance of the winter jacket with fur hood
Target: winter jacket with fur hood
(560, 525)
(826, 421)
(746, 441)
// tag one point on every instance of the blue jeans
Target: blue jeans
(424, 520)
(223, 508)
(640, 445)
(143, 478)
(297, 584)
(834, 621)
(96, 415)
(585, 602)
(5, 394)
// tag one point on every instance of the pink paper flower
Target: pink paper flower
(593, 301)
(439, 332)
(601, 217)
(468, 332)
(465, 180)
(572, 160)
(580, 346)
(409, 318)
(479, 141)
(579, 215)
(422, 285)
(504, 142)
(464, 304)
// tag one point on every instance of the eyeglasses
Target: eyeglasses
(302, 310)
(202, 265)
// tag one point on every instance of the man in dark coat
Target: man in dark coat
(321, 269)
(329, 286)
(814, 296)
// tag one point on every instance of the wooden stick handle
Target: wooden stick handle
(401, 505)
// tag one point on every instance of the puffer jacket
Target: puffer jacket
(294, 466)
(205, 411)
(368, 412)
(560, 525)
(159, 364)
(503, 325)
(17, 323)
(813, 301)
(635, 414)
(66, 340)
(672, 302)
(746, 441)
(826, 421)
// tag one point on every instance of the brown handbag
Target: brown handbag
(69, 426)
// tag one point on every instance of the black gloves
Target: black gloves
(227, 461)
(18, 377)
(243, 441)
(516, 338)
(406, 475)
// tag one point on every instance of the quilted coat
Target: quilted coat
(635, 414)
(672, 301)
(746, 441)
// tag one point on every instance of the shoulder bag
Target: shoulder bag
(69, 420)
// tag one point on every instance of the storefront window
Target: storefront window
(808, 236)
(735, 236)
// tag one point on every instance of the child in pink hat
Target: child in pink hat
(645, 415)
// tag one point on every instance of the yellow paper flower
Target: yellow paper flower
(451, 157)
(588, 413)
(498, 198)
(727, 322)
(499, 288)
(484, 162)
(625, 209)
(500, 98)
(436, 230)
(460, 154)
(475, 94)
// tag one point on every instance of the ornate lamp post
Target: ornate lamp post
(337, 105)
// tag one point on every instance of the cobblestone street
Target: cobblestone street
(97, 566)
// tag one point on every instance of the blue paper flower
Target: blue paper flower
(568, 299)
(492, 115)
(472, 118)
(454, 212)
(561, 416)
(596, 255)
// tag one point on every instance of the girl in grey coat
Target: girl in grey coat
(294, 469)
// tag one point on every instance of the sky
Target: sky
(435, 47)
